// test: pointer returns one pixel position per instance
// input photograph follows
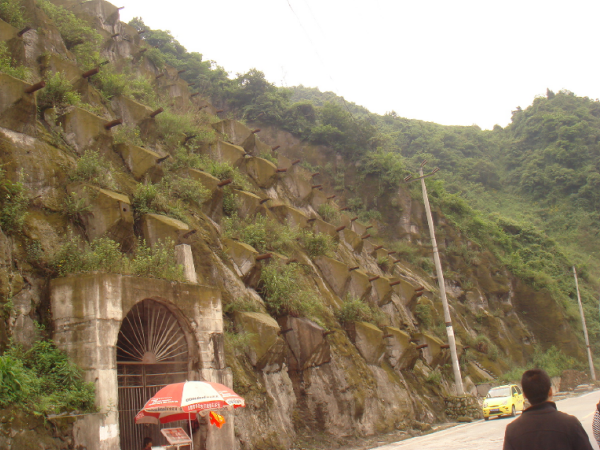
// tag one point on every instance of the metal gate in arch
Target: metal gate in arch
(152, 351)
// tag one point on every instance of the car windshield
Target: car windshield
(500, 392)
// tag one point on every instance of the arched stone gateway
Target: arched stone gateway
(135, 333)
(152, 351)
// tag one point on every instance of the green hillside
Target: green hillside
(527, 192)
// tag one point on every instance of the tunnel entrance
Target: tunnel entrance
(152, 351)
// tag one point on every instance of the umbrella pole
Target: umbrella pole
(191, 434)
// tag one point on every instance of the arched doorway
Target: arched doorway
(152, 351)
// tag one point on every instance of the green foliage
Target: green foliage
(129, 134)
(13, 204)
(286, 292)
(12, 11)
(78, 36)
(58, 92)
(329, 213)
(95, 169)
(75, 256)
(269, 157)
(317, 244)
(43, 381)
(104, 255)
(356, 310)
(211, 79)
(154, 199)
(237, 342)
(75, 208)
(424, 314)
(553, 361)
(8, 66)
(157, 261)
(173, 128)
(262, 233)
(185, 189)
(434, 377)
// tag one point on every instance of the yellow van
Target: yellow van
(503, 401)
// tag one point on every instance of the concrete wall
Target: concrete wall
(88, 310)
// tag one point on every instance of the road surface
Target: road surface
(490, 434)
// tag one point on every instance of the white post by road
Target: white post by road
(440, 276)
(585, 333)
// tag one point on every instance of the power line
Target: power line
(319, 55)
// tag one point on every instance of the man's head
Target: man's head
(536, 386)
(147, 442)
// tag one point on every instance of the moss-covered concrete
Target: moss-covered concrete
(266, 349)
(307, 343)
(247, 203)
(335, 273)
(17, 109)
(263, 172)
(359, 286)
(351, 239)
(156, 227)
(368, 339)
(225, 152)
(291, 216)
(401, 352)
(129, 110)
(84, 130)
(140, 161)
(242, 255)
(320, 226)
(109, 214)
(233, 131)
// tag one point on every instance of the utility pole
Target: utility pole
(441, 283)
(585, 333)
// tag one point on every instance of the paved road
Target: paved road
(490, 434)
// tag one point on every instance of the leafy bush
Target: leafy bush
(13, 204)
(93, 168)
(317, 244)
(355, 310)
(553, 361)
(286, 292)
(434, 377)
(43, 380)
(8, 66)
(75, 208)
(78, 36)
(11, 11)
(104, 255)
(329, 213)
(269, 157)
(154, 199)
(186, 189)
(57, 93)
(129, 134)
(384, 263)
(157, 261)
(424, 315)
(110, 82)
(262, 233)
(174, 127)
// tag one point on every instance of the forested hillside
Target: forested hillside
(528, 192)
(279, 231)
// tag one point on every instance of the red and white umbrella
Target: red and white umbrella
(181, 401)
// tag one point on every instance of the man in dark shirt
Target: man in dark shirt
(542, 426)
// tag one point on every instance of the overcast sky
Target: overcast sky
(451, 62)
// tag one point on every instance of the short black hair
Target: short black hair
(536, 385)
(147, 440)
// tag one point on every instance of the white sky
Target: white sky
(451, 62)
